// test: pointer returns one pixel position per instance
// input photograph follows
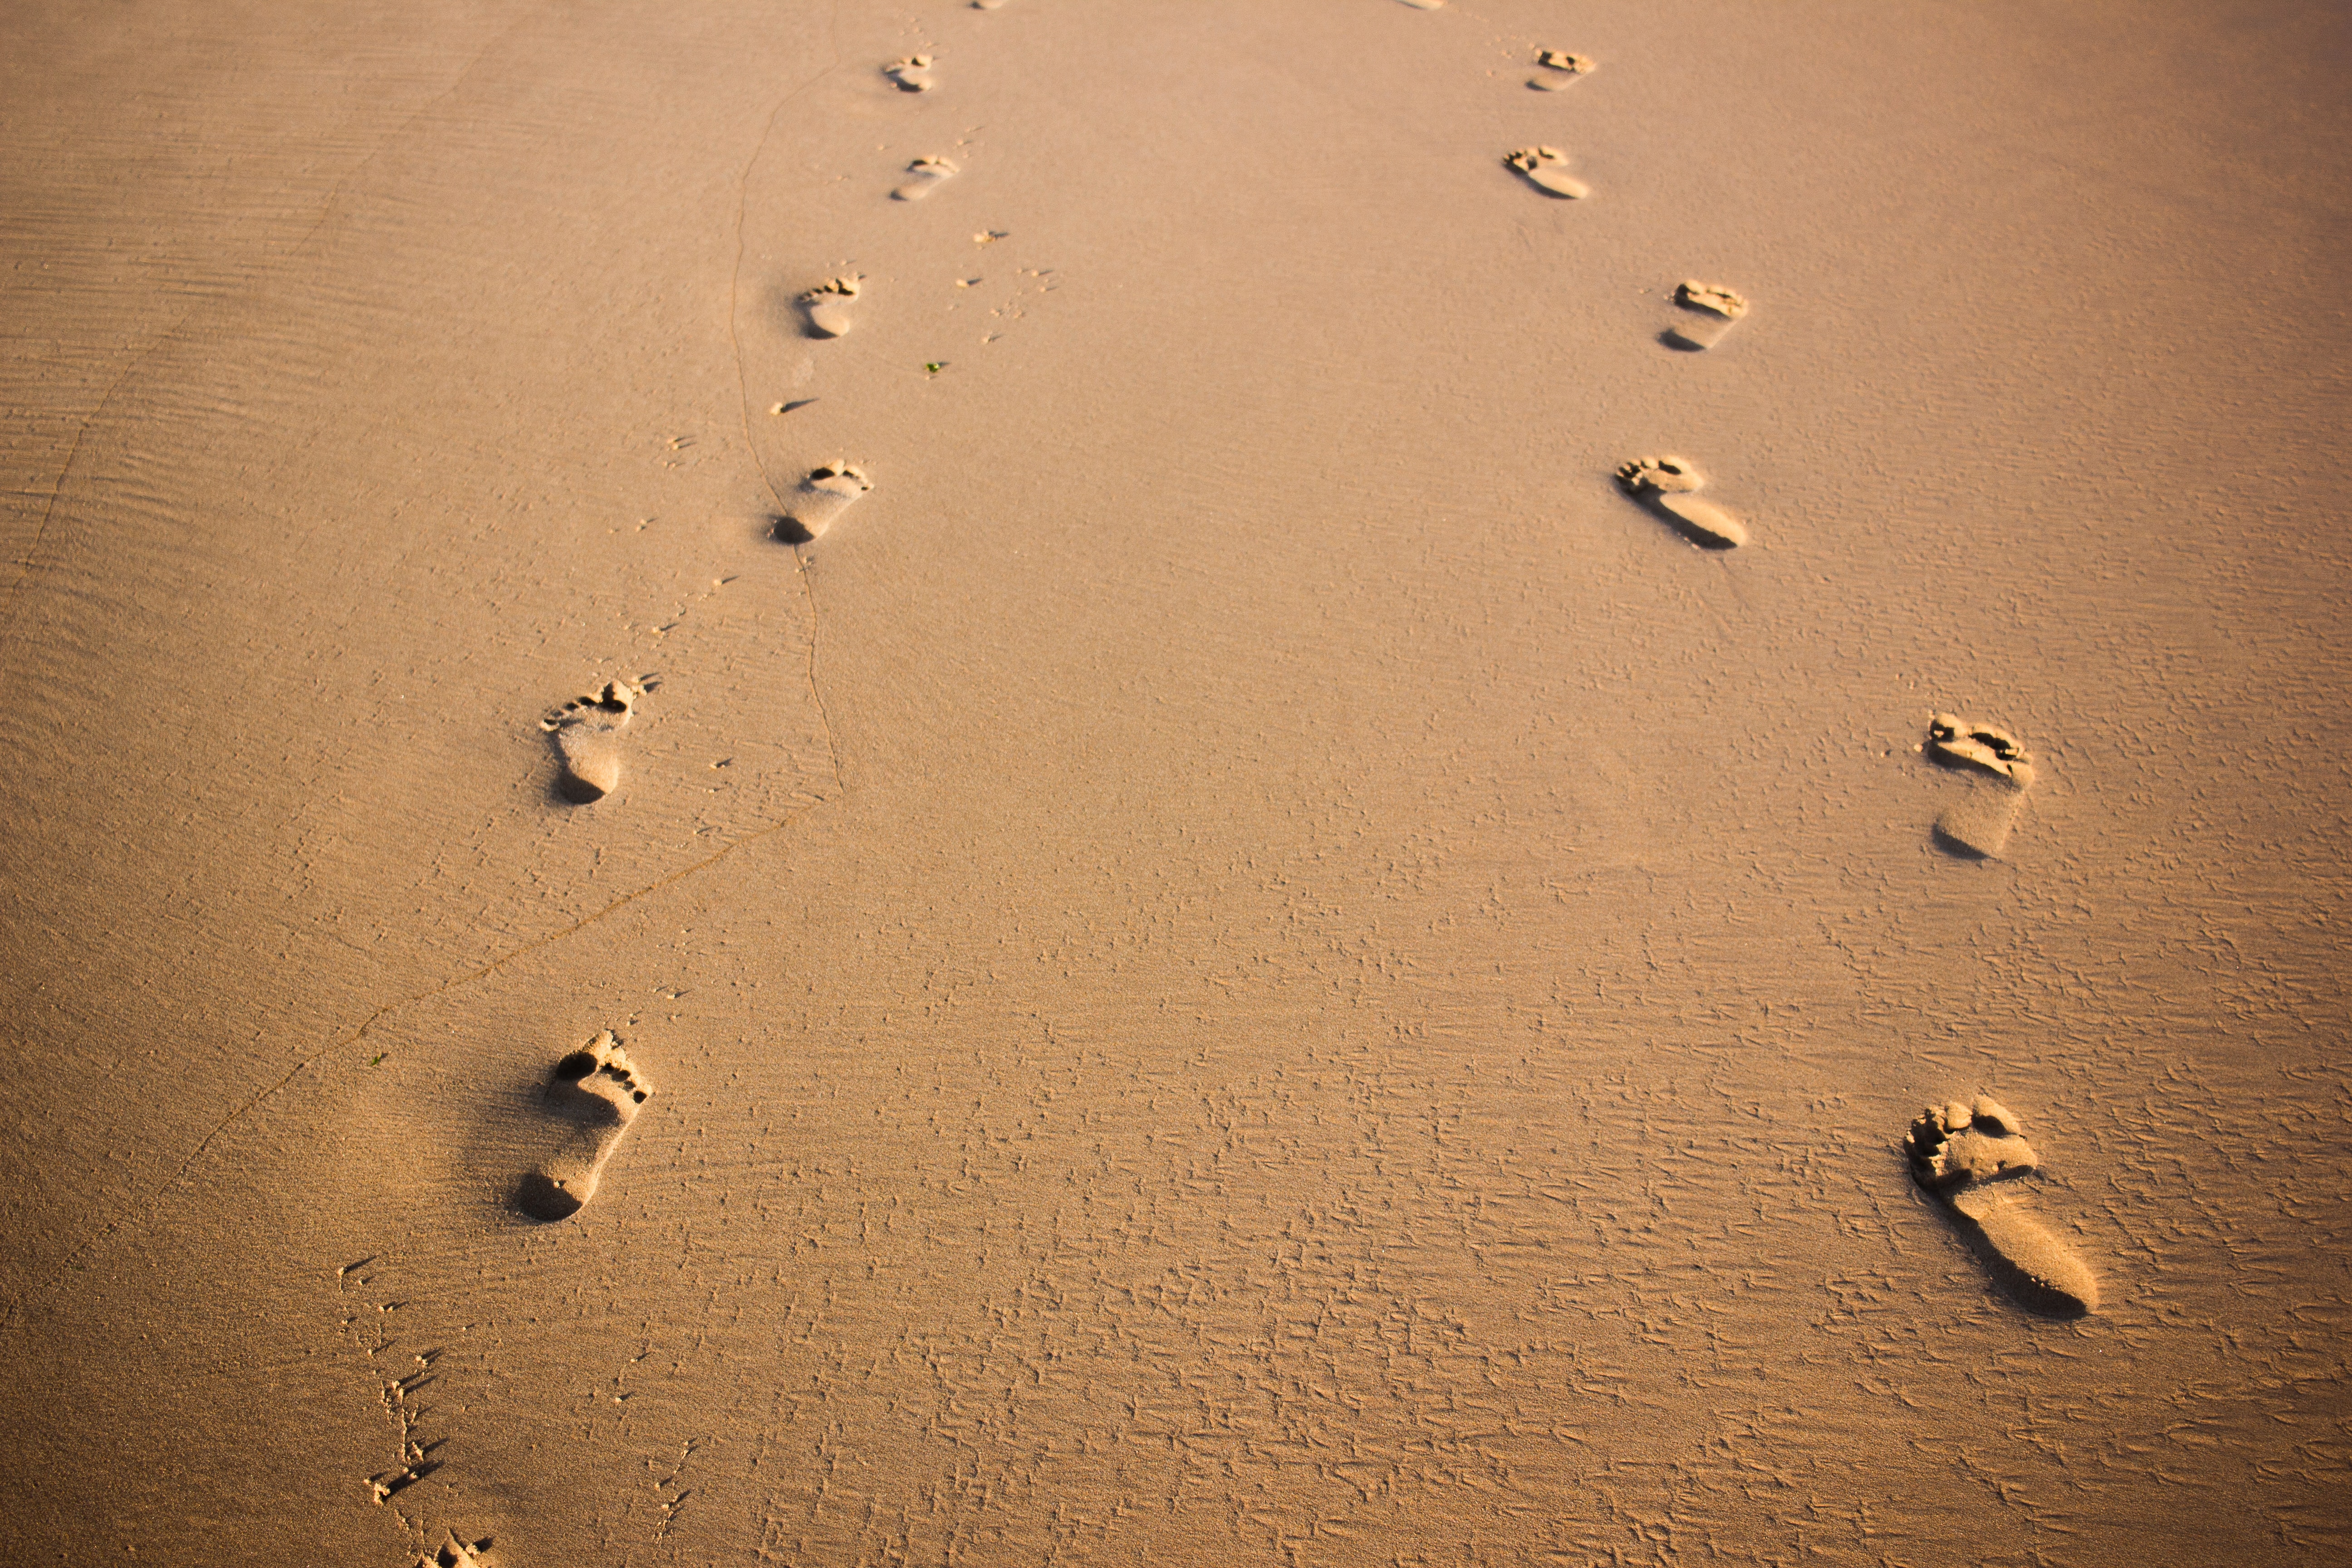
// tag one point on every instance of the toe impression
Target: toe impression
(1710, 312)
(1545, 168)
(1556, 69)
(1980, 824)
(587, 734)
(1958, 1153)
(925, 176)
(593, 1094)
(1667, 486)
(821, 497)
(827, 307)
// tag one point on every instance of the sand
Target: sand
(1245, 960)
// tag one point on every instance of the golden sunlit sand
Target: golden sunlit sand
(999, 784)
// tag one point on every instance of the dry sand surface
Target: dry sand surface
(1099, 894)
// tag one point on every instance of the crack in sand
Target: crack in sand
(743, 387)
(56, 487)
(816, 694)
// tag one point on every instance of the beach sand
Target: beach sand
(1223, 952)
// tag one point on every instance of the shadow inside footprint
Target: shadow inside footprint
(1712, 311)
(1979, 825)
(1556, 69)
(593, 1094)
(925, 176)
(457, 1552)
(912, 74)
(587, 734)
(826, 306)
(1545, 168)
(1957, 1153)
(821, 497)
(1665, 486)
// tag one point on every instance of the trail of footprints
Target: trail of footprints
(1979, 823)
(593, 1094)
(403, 1376)
(1964, 1155)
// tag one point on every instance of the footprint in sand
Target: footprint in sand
(1556, 69)
(1714, 311)
(1426, 4)
(596, 1092)
(923, 177)
(1546, 169)
(1667, 486)
(1957, 1153)
(912, 74)
(458, 1553)
(987, 5)
(587, 735)
(2000, 772)
(827, 307)
(822, 497)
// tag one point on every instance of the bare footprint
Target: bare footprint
(1666, 484)
(458, 1553)
(822, 497)
(1979, 825)
(1556, 69)
(1714, 311)
(923, 177)
(587, 735)
(1546, 169)
(827, 306)
(912, 74)
(1957, 1153)
(596, 1092)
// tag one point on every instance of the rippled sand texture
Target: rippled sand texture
(1244, 961)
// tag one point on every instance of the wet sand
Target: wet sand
(1233, 953)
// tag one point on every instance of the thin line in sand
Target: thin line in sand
(743, 386)
(72, 1259)
(467, 978)
(172, 333)
(56, 487)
